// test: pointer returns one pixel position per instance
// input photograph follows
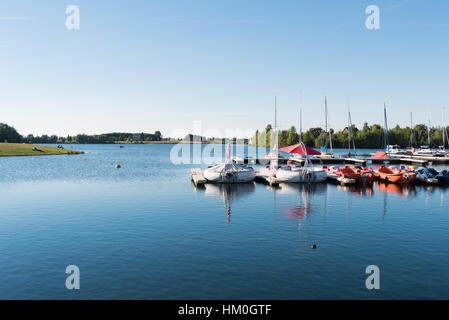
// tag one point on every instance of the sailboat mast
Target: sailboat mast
(326, 116)
(443, 128)
(325, 113)
(275, 125)
(349, 131)
(411, 129)
(300, 124)
(428, 133)
(275, 161)
(386, 130)
(352, 131)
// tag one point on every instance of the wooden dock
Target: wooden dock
(262, 161)
(425, 159)
(301, 161)
(326, 160)
(197, 177)
(400, 160)
(329, 160)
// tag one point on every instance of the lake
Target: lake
(145, 232)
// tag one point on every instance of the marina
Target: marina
(222, 155)
(336, 176)
(108, 218)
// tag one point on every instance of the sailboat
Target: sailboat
(304, 174)
(350, 134)
(442, 148)
(324, 152)
(428, 151)
(392, 150)
(387, 141)
(229, 172)
(274, 156)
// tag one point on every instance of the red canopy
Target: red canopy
(380, 155)
(300, 149)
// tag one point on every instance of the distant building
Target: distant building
(191, 137)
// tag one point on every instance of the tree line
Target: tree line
(10, 134)
(371, 137)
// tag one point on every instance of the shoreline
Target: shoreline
(32, 150)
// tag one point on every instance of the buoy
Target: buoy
(117, 166)
(313, 246)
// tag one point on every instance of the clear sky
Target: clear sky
(141, 65)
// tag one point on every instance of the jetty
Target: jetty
(401, 160)
(255, 160)
(197, 177)
(411, 159)
(422, 159)
(331, 160)
(362, 162)
(301, 161)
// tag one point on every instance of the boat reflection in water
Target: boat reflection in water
(404, 190)
(229, 192)
(304, 206)
(359, 190)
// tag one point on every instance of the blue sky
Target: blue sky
(160, 65)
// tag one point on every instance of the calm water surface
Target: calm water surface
(144, 232)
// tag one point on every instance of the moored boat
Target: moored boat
(229, 172)
(442, 176)
(426, 176)
(396, 150)
(300, 174)
(361, 176)
(396, 175)
(426, 151)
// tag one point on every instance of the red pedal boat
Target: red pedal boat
(361, 176)
(396, 175)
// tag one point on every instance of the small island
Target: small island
(25, 149)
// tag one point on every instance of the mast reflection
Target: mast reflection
(304, 206)
(228, 193)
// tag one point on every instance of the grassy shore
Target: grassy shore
(22, 149)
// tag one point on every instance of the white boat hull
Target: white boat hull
(231, 174)
(302, 175)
